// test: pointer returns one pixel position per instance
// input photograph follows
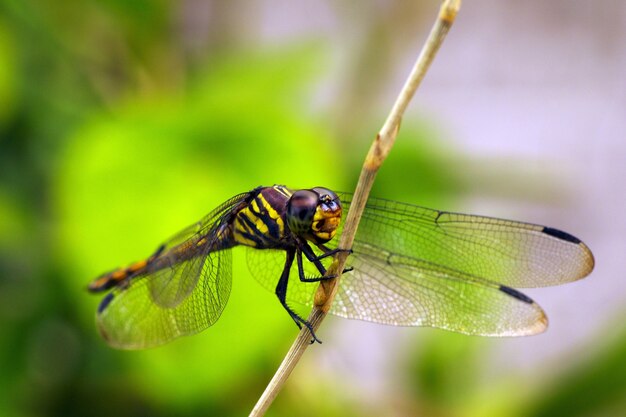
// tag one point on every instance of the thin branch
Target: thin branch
(377, 154)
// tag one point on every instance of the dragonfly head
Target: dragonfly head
(314, 214)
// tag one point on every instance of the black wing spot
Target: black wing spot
(105, 302)
(559, 234)
(514, 293)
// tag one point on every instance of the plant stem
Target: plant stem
(378, 152)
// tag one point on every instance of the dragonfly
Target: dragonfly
(409, 266)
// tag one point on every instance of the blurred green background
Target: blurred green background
(122, 122)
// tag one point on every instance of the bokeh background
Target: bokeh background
(124, 121)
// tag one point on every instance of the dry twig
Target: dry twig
(375, 157)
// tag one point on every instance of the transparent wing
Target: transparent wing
(266, 265)
(398, 290)
(171, 277)
(415, 266)
(512, 253)
(129, 318)
(182, 290)
(402, 291)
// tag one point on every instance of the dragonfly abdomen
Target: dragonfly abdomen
(116, 277)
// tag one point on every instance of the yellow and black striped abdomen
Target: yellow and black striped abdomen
(118, 276)
(260, 224)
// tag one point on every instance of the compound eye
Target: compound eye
(328, 198)
(301, 209)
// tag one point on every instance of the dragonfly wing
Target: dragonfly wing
(266, 266)
(398, 290)
(173, 278)
(177, 268)
(512, 253)
(129, 318)
(182, 289)
(415, 266)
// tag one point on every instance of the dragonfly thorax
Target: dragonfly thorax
(314, 214)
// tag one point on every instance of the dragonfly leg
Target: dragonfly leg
(319, 266)
(281, 293)
(330, 252)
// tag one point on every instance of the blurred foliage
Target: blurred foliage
(597, 386)
(114, 134)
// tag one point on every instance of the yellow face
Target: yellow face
(326, 221)
(314, 214)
